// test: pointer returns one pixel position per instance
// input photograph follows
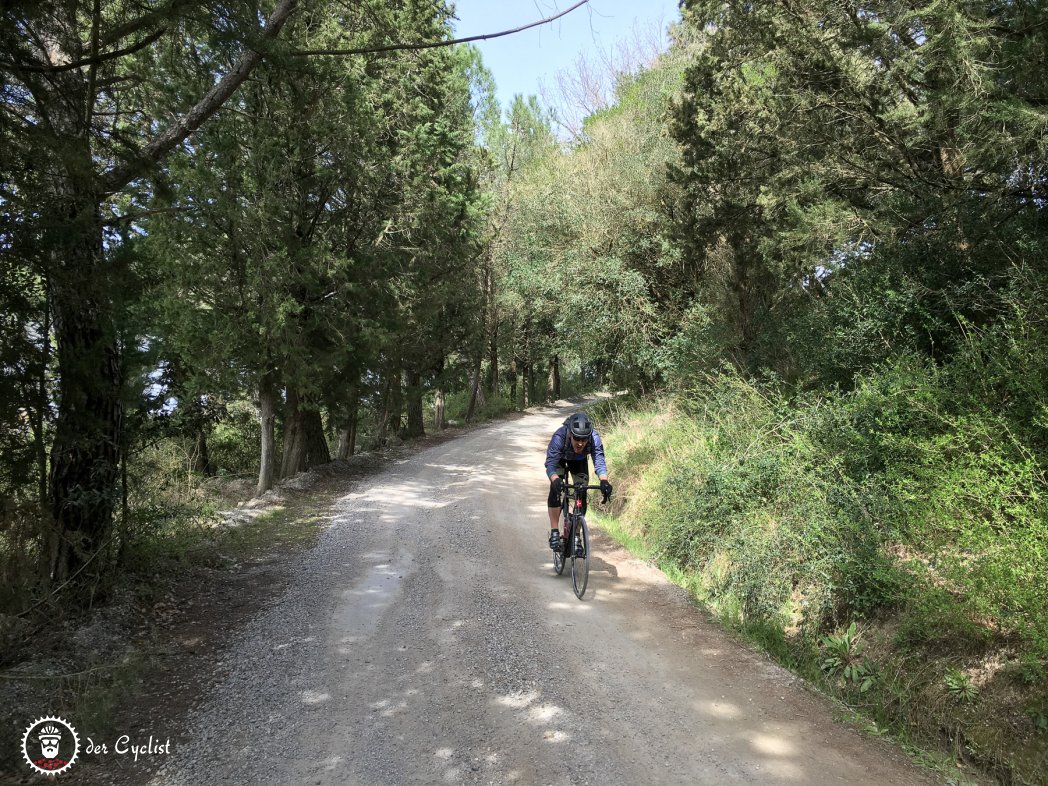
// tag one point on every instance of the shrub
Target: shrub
(905, 495)
(234, 441)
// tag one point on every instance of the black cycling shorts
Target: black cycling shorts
(579, 474)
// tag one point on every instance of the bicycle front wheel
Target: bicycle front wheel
(580, 557)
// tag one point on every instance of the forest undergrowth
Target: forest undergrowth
(888, 544)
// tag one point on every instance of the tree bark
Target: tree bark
(42, 404)
(294, 456)
(526, 381)
(553, 379)
(201, 456)
(476, 390)
(347, 439)
(526, 385)
(267, 399)
(439, 410)
(415, 425)
(85, 455)
(493, 330)
(316, 450)
(392, 401)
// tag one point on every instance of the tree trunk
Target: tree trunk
(294, 457)
(513, 382)
(439, 411)
(415, 426)
(476, 390)
(85, 455)
(201, 457)
(392, 400)
(267, 399)
(347, 438)
(741, 288)
(42, 404)
(493, 332)
(316, 451)
(553, 379)
(525, 367)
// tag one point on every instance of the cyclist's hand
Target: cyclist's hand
(558, 486)
(605, 489)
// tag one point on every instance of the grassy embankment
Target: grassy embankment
(889, 544)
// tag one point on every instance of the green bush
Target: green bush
(456, 404)
(907, 495)
(234, 441)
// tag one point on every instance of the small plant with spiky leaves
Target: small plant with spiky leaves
(960, 685)
(842, 656)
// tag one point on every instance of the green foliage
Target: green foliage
(880, 500)
(493, 406)
(842, 656)
(22, 545)
(910, 507)
(960, 685)
(588, 271)
(1037, 712)
(233, 442)
(855, 182)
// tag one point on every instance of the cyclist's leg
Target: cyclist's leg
(553, 504)
(580, 474)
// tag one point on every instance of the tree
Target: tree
(87, 91)
(586, 254)
(831, 137)
(70, 88)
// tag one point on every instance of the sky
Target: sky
(520, 61)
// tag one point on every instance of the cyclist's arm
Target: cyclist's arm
(599, 462)
(553, 453)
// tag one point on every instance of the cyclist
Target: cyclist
(568, 451)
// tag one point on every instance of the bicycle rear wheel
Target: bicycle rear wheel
(580, 557)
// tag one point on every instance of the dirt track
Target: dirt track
(427, 640)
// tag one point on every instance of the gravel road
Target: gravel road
(427, 640)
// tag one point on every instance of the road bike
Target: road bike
(574, 541)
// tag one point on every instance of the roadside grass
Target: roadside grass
(885, 544)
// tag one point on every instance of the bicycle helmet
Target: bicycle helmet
(579, 426)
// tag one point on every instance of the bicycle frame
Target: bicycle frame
(571, 505)
(575, 539)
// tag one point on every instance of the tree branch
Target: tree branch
(120, 176)
(132, 217)
(433, 44)
(90, 61)
(146, 20)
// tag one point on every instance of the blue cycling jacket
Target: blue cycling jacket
(560, 450)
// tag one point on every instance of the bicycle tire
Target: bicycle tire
(559, 561)
(580, 564)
